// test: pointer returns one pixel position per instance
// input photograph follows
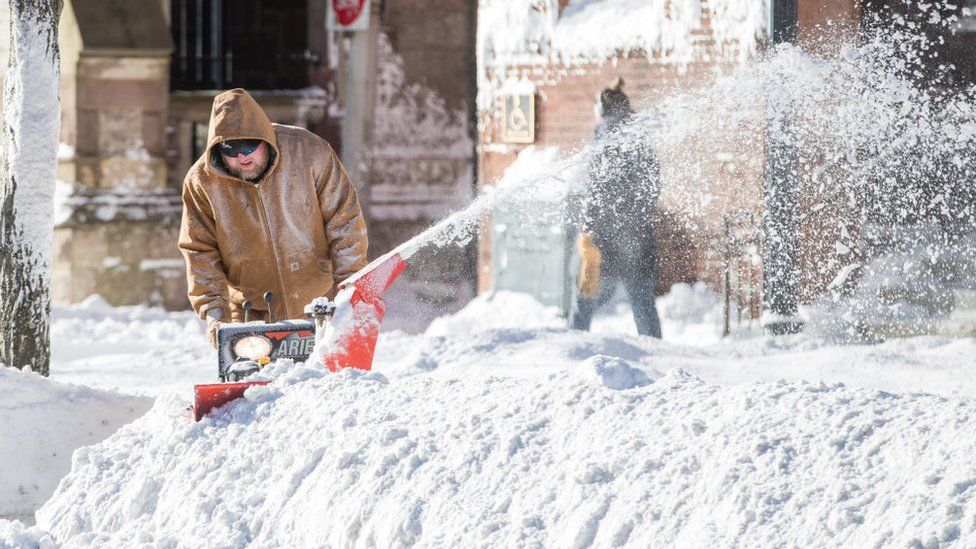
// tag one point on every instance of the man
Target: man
(617, 240)
(267, 207)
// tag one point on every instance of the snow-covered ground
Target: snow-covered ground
(497, 426)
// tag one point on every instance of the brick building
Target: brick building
(542, 52)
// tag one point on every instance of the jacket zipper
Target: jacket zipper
(274, 246)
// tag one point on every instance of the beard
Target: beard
(252, 174)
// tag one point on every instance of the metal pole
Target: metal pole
(727, 279)
(357, 127)
(780, 284)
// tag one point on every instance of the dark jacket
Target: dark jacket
(624, 180)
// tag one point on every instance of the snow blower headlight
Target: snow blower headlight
(253, 347)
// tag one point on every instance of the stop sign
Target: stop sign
(347, 11)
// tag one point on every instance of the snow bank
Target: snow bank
(15, 535)
(690, 314)
(500, 427)
(518, 352)
(612, 372)
(512, 334)
(139, 350)
(355, 460)
(493, 310)
(41, 422)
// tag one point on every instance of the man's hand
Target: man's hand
(589, 276)
(212, 325)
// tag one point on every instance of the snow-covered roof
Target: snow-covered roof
(517, 32)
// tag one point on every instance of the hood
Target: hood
(612, 123)
(236, 115)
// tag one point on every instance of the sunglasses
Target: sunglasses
(235, 147)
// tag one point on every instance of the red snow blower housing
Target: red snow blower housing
(342, 334)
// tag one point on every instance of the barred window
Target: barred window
(254, 44)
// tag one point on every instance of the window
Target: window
(255, 44)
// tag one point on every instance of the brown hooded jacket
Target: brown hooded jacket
(296, 232)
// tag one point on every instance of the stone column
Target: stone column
(119, 225)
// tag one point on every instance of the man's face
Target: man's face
(248, 166)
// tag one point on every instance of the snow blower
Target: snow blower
(337, 334)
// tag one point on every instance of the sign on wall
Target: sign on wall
(518, 114)
(348, 15)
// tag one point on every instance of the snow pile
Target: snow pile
(139, 350)
(494, 310)
(502, 429)
(14, 534)
(41, 423)
(510, 333)
(612, 372)
(565, 462)
(519, 352)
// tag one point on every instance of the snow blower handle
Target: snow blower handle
(358, 310)
(268, 298)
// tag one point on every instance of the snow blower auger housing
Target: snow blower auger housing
(339, 334)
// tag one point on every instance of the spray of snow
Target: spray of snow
(327, 341)
(881, 130)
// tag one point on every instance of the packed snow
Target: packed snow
(41, 423)
(497, 426)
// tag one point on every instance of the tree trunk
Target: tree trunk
(28, 163)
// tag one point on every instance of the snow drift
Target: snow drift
(41, 423)
(487, 430)
(594, 456)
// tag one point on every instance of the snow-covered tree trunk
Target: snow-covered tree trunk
(28, 162)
